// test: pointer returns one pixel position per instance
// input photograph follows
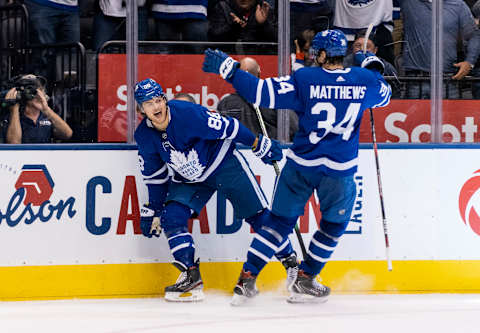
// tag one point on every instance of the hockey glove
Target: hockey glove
(266, 149)
(150, 221)
(219, 62)
(370, 61)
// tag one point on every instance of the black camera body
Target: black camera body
(26, 89)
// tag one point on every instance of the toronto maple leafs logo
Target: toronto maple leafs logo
(189, 166)
(360, 3)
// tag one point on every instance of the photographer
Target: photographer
(31, 119)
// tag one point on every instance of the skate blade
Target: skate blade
(189, 296)
(296, 298)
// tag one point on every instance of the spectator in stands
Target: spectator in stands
(242, 21)
(302, 43)
(237, 107)
(184, 97)
(458, 24)
(51, 21)
(476, 69)
(31, 119)
(109, 21)
(181, 20)
(313, 15)
(357, 45)
(354, 17)
(389, 70)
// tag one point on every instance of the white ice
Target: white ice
(269, 314)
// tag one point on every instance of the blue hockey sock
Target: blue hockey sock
(285, 250)
(174, 221)
(269, 239)
(182, 247)
(321, 246)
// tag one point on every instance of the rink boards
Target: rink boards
(69, 225)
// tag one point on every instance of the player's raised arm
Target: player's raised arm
(379, 92)
(273, 93)
(213, 126)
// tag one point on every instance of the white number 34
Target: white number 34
(285, 87)
(344, 127)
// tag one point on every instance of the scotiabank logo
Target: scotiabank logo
(468, 200)
(32, 198)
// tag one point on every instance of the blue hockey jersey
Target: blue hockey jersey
(194, 144)
(329, 104)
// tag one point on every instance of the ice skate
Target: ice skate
(306, 289)
(245, 289)
(189, 285)
(291, 266)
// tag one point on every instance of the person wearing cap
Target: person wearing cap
(198, 147)
(31, 118)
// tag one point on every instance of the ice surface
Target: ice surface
(269, 313)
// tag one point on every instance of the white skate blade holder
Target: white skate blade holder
(194, 295)
(296, 298)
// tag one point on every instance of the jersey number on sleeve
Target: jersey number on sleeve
(214, 120)
(344, 127)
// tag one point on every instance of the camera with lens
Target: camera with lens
(27, 86)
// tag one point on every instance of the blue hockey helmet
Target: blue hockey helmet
(146, 90)
(333, 42)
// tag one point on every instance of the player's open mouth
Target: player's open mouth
(157, 113)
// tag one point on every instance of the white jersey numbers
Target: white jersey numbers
(214, 120)
(344, 127)
(285, 87)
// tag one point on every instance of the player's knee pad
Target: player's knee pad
(333, 229)
(174, 218)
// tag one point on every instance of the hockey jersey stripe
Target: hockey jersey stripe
(251, 177)
(218, 159)
(271, 94)
(323, 161)
(156, 181)
(227, 123)
(258, 96)
(235, 129)
(156, 173)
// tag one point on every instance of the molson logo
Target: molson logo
(468, 199)
(31, 200)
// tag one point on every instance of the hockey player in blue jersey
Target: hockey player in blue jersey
(198, 148)
(329, 101)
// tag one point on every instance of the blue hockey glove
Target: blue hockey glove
(369, 60)
(150, 221)
(268, 150)
(219, 62)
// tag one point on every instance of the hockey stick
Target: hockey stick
(377, 164)
(380, 192)
(277, 172)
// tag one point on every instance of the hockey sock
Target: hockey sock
(174, 222)
(321, 246)
(268, 240)
(285, 250)
(182, 247)
(256, 221)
